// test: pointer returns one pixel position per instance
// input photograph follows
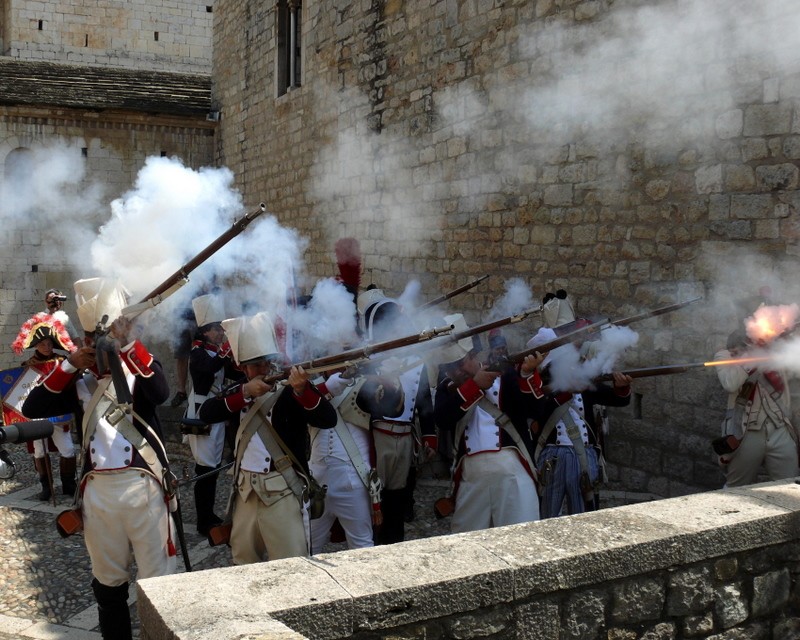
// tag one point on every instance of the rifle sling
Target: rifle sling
(349, 444)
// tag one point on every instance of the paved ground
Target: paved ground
(45, 579)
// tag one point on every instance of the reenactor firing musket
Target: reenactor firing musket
(356, 356)
(454, 292)
(107, 350)
(669, 369)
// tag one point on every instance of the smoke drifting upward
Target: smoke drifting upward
(171, 214)
(45, 190)
(373, 188)
(665, 73)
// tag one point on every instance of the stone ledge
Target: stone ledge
(335, 595)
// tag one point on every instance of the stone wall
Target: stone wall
(717, 565)
(166, 35)
(39, 246)
(455, 138)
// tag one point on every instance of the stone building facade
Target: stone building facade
(165, 35)
(104, 84)
(630, 152)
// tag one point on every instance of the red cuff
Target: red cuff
(431, 441)
(235, 402)
(532, 384)
(137, 358)
(309, 399)
(623, 392)
(470, 393)
(563, 397)
(58, 379)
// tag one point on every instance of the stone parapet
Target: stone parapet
(695, 566)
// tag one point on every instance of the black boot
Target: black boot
(205, 493)
(112, 609)
(67, 473)
(42, 467)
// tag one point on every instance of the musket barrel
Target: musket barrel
(235, 229)
(561, 340)
(494, 324)
(624, 322)
(647, 372)
(454, 292)
(338, 360)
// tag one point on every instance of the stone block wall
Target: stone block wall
(718, 565)
(460, 138)
(161, 35)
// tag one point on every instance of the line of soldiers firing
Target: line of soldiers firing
(331, 439)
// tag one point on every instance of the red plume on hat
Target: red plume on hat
(348, 259)
(41, 326)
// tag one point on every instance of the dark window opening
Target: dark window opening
(85, 152)
(289, 16)
(155, 36)
(163, 154)
(86, 40)
(209, 9)
(41, 24)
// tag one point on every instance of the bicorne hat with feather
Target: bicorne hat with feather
(41, 326)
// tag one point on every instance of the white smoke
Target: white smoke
(327, 325)
(45, 190)
(573, 369)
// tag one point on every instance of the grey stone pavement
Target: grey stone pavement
(45, 590)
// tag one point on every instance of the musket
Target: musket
(453, 293)
(518, 357)
(669, 369)
(180, 277)
(207, 474)
(624, 322)
(355, 356)
(494, 324)
(647, 372)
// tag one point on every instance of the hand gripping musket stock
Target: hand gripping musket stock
(453, 293)
(354, 357)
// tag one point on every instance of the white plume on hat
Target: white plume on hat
(97, 297)
(208, 309)
(252, 337)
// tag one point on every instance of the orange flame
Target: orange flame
(768, 322)
(717, 363)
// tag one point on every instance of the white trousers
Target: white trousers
(61, 438)
(207, 450)
(495, 491)
(124, 510)
(347, 499)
